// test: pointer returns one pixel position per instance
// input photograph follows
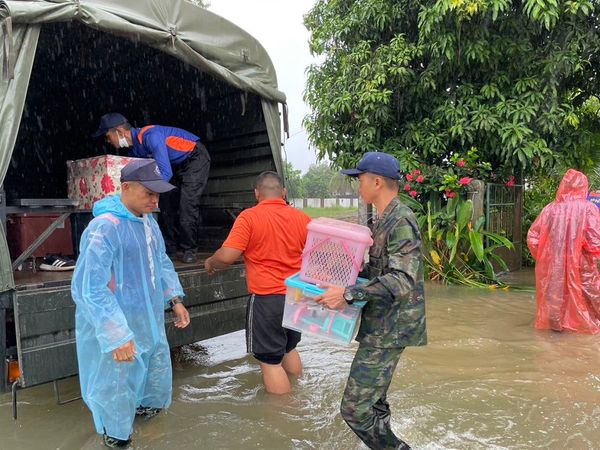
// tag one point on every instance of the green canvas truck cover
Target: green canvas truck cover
(179, 28)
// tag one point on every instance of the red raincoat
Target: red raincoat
(565, 242)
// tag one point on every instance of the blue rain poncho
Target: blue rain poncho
(122, 283)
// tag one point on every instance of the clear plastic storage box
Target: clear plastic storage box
(334, 251)
(302, 313)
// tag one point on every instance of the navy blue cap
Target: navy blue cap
(378, 163)
(108, 121)
(147, 173)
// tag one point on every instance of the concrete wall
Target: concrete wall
(324, 202)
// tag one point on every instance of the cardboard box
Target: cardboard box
(92, 179)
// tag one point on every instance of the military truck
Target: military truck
(64, 63)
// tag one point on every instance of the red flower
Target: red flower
(407, 187)
(511, 181)
(107, 184)
(464, 181)
(450, 193)
(461, 163)
(413, 194)
(409, 177)
(416, 172)
(420, 179)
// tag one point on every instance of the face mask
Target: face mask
(122, 141)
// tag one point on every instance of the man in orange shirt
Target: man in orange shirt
(271, 237)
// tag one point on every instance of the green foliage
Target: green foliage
(541, 185)
(589, 140)
(335, 211)
(320, 181)
(452, 177)
(453, 246)
(423, 79)
(342, 185)
(540, 190)
(294, 182)
(316, 180)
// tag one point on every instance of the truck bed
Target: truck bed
(27, 279)
(41, 314)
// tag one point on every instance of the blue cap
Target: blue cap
(108, 121)
(378, 163)
(147, 173)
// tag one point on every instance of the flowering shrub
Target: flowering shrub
(452, 178)
(454, 248)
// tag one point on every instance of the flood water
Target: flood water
(487, 380)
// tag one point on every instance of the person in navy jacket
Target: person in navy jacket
(183, 161)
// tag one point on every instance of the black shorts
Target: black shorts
(266, 339)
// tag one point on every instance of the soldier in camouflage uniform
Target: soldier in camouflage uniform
(394, 316)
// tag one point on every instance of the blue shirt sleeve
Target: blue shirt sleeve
(155, 145)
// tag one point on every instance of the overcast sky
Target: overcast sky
(278, 26)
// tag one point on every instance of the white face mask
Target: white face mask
(122, 142)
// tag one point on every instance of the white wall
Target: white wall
(328, 202)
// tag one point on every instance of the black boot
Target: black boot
(189, 257)
(147, 412)
(112, 442)
(403, 446)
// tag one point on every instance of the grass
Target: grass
(335, 211)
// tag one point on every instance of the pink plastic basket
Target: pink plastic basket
(334, 251)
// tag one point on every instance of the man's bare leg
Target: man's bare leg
(292, 363)
(275, 379)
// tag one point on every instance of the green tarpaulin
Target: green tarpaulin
(177, 27)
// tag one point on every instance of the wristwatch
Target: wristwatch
(175, 301)
(348, 296)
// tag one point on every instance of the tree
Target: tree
(316, 180)
(294, 183)
(424, 80)
(341, 184)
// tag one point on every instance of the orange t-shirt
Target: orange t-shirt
(272, 235)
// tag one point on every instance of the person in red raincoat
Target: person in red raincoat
(565, 242)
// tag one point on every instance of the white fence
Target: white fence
(324, 202)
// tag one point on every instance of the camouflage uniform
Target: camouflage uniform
(393, 318)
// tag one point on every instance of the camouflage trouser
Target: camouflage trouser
(364, 406)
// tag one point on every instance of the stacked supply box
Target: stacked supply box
(334, 251)
(302, 313)
(92, 179)
(23, 229)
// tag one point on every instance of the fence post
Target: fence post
(477, 194)
(364, 212)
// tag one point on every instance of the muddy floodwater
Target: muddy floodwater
(487, 380)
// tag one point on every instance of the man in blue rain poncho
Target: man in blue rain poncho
(122, 284)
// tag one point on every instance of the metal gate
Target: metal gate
(504, 215)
